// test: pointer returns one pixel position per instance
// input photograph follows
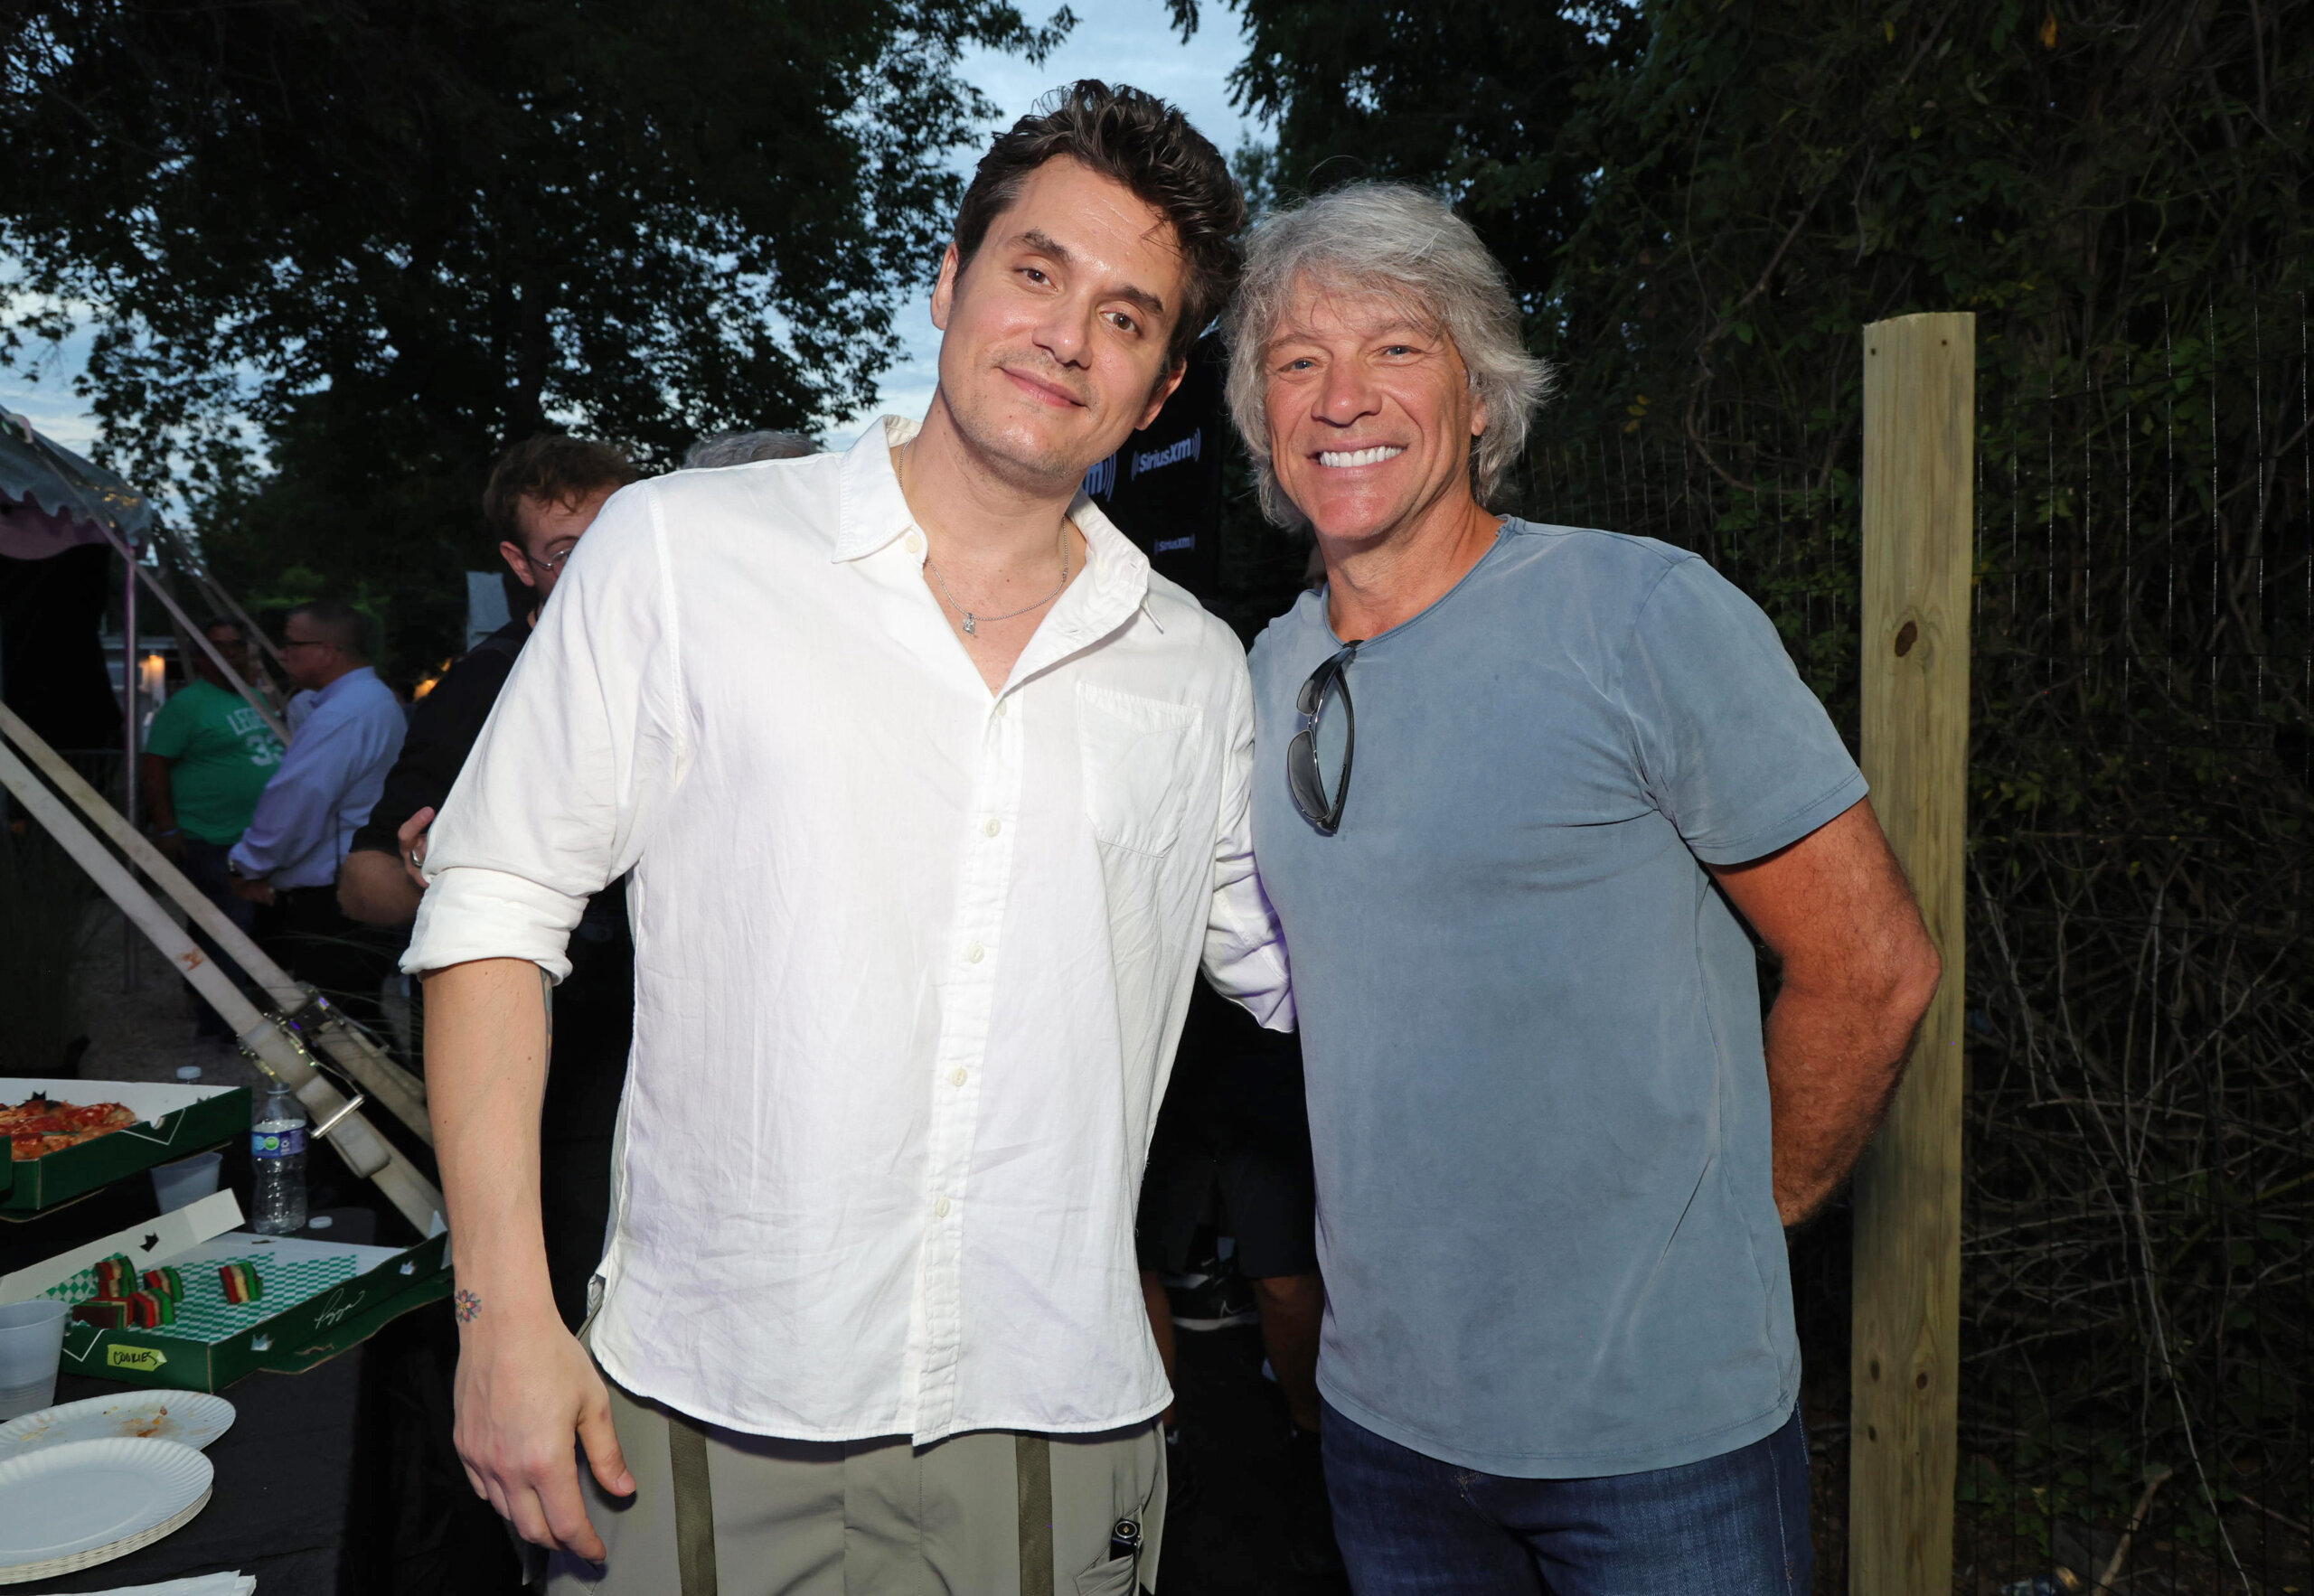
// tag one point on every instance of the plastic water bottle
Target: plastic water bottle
(278, 1153)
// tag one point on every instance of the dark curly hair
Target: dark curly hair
(553, 469)
(1137, 139)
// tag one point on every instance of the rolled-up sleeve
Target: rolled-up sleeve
(585, 745)
(1245, 949)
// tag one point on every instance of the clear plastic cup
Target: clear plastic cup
(187, 1180)
(32, 1344)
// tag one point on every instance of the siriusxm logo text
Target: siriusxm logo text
(1191, 447)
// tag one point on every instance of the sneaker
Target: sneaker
(1210, 1302)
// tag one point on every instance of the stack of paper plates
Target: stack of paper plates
(193, 1418)
(80, 1502)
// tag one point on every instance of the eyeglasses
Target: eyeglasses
(1303, 777)
(554, 562)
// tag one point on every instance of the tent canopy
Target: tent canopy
(52, 499)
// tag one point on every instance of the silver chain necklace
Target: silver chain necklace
(972, 620)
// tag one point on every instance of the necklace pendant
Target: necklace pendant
(972, 626)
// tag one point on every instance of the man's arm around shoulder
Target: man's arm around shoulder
(524, 1385)
(1859, 972)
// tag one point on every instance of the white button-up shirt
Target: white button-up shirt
(911, 958)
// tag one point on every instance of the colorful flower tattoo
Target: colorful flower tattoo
(466, 1305)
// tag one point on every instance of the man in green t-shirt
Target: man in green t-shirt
(207, 756)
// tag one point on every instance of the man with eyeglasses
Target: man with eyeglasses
(1519, 790)
(543, 496)
(319, 795)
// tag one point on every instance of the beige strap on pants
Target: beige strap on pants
(694, 1506)
(1032, 1461)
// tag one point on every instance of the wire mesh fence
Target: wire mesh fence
(2138, 1294)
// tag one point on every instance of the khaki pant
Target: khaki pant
(961, 1518)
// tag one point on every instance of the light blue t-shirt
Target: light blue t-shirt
(1530, 1022)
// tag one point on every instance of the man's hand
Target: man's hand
(249, 891)
(524, 1385)
(171, 844)
(413, 837)
(1859, 972)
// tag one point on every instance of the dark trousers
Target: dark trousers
(204, 864)
(347, 960)
(1410, 1526)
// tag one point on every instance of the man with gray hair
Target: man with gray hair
(1555, 1145)
(319, 795)
(719, 449)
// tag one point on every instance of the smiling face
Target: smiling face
(1369, 414)
(1056, 330)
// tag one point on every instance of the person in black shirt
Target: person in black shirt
(543, 496)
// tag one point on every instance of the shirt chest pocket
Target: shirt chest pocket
(1139, 766)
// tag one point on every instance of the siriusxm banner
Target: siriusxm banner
(1163, 487)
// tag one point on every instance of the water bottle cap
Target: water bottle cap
(320, 1222)
(188, 1072)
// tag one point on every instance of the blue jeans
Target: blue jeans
(1731, 1526)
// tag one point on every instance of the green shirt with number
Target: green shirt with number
(225, 755)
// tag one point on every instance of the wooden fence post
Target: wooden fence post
(1919, 449)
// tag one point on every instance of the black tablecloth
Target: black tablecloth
(283, 1488)
(340, 1481)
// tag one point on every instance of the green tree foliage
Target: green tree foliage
(1703, 202)
(370, 244)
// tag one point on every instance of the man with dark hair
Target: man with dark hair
(319, 795)
(541, 496)
(558, 486)
(933, 797)
(206, 761)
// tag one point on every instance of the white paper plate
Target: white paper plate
(191, 1418)
(76, 1502)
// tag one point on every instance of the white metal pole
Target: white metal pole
(184, 622)
(365, 1152)
(396, 1088)
(128, 738)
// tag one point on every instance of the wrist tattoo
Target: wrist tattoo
(466, 1306)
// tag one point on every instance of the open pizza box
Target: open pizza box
(176, 1121)
(319, 1298)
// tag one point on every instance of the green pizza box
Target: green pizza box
(178, 1121)
(320, 1297)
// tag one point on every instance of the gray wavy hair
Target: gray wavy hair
(745, 448)
(1392, 239)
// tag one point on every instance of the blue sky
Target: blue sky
(1128, 40)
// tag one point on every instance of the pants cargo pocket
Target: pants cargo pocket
(1112, 1576)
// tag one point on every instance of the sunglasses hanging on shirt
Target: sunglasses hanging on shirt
(1303, 777)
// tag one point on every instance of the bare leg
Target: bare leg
(1293, 1307)
(1160, 1325)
